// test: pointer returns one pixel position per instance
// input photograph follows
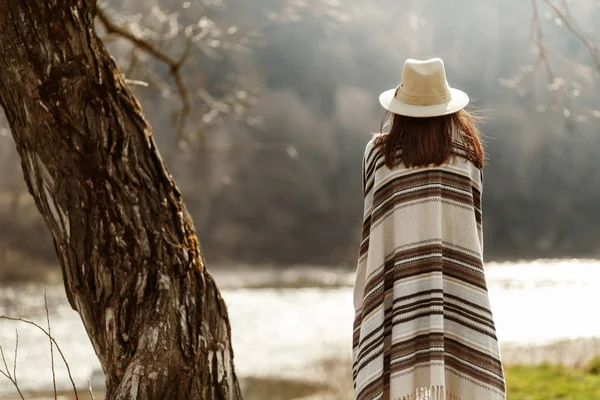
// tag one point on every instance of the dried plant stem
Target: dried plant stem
(16, 355)
(90, 389)
(538, 39)
(150, 48)
(25, 321)
(589, 45)
(51, 346)
(12, 377)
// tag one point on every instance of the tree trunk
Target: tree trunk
(130, 257)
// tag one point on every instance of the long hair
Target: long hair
(420, 142)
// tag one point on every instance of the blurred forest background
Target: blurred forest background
(282, 98)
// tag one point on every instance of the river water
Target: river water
(285, 322)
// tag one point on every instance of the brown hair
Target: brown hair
(419, 142)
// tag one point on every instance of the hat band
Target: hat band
(422, 100)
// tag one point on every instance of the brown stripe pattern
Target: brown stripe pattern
(423, 307)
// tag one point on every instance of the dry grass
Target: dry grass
(337, 372)
(571, 352)
(48, 396)
(335, 384)
(331, 378)
(535, 382)
(273, 388)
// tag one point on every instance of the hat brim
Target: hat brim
(458, 101)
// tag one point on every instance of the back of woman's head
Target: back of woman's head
(420, 142)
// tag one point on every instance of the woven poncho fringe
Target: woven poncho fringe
(423, 327)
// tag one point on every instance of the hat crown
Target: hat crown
(423, 91)
(424, 83)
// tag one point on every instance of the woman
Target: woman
(423, 328)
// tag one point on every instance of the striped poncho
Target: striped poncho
(423, 327)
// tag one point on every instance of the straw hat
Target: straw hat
(424, 91)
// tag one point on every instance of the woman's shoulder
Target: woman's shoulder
(460, 165)
(371, 148)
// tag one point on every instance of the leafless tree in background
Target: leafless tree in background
(187, 44)
(199, 57)
(565, 75)
(192, 44)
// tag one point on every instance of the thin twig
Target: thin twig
(4, 360)
(538, 38)
(7, 373)
(133, 62)
(175, 71)
(51, 346)
(591, 47)
(112, 28)
(133, 82)
(53, 341)
(16, 355)
(18, 389)
(173, 64)
(90, 389)
(185, 54)
(7, 376)
(542, 51)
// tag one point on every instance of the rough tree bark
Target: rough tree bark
(131, 261)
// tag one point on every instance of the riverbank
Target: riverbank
(566, 370)
(253, 388)
(575, 353)
(286, 321)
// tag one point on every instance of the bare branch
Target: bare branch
(4, 317)
(173, 64)
(184, 56)
(134, 82)
(90, 389)
(185, 95)
(148, 47)
(538, 40)
(133, 62)
(591, 47)
(542, 56)
(7, 374)
(5, 364)
(16, 355)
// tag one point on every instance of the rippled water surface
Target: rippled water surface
(284, 323)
